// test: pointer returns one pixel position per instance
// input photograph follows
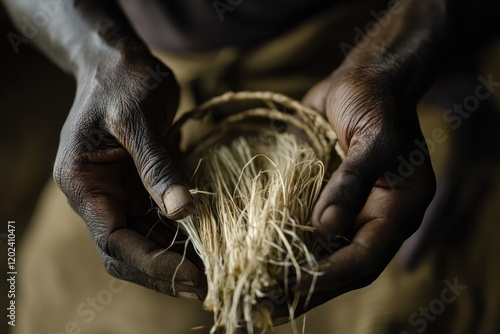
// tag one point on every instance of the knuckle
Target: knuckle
(62, 172)
(164, 287)
(98, 231)
(67, 174)
(156, 286)
(125, 116)
(361, 91)
(112, 266)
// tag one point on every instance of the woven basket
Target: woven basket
(230, 112)
(225, 225)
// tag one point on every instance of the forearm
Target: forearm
(78, 35)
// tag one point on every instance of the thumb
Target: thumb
(346, 192)
(315, 98)
(156, 165)
(161, 176)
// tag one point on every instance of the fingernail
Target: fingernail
(190, 283)
(187, 274)
(178, 202)
(332, 219)
(188, 295)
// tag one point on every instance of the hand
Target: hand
(367, 199)
(113, 158)
(379, 194)
(373, 198)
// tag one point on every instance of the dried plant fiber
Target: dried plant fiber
(255, 190)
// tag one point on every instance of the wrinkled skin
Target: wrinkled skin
(358, 202)
(112, 158)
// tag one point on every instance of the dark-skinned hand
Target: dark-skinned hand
(113, 163)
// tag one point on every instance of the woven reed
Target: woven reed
(251, 229)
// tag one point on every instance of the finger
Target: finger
(348, 188)
(161, 176)
(389, 217)
(130, 256)
(94, 195)
(128, 246)
(162, 234)
(126, 272)
(108, 225)
(156, 165)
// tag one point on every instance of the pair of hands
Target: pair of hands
(112, 158)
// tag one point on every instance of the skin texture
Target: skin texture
(371, 103)
(112, 158)
(370, 100)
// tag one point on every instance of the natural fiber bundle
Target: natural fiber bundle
(255, 194)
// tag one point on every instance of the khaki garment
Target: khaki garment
(63, 287)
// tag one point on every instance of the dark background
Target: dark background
(35, 98)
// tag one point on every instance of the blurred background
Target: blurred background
(35, 97)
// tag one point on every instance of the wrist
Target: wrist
(407, 51)
(101, 57)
